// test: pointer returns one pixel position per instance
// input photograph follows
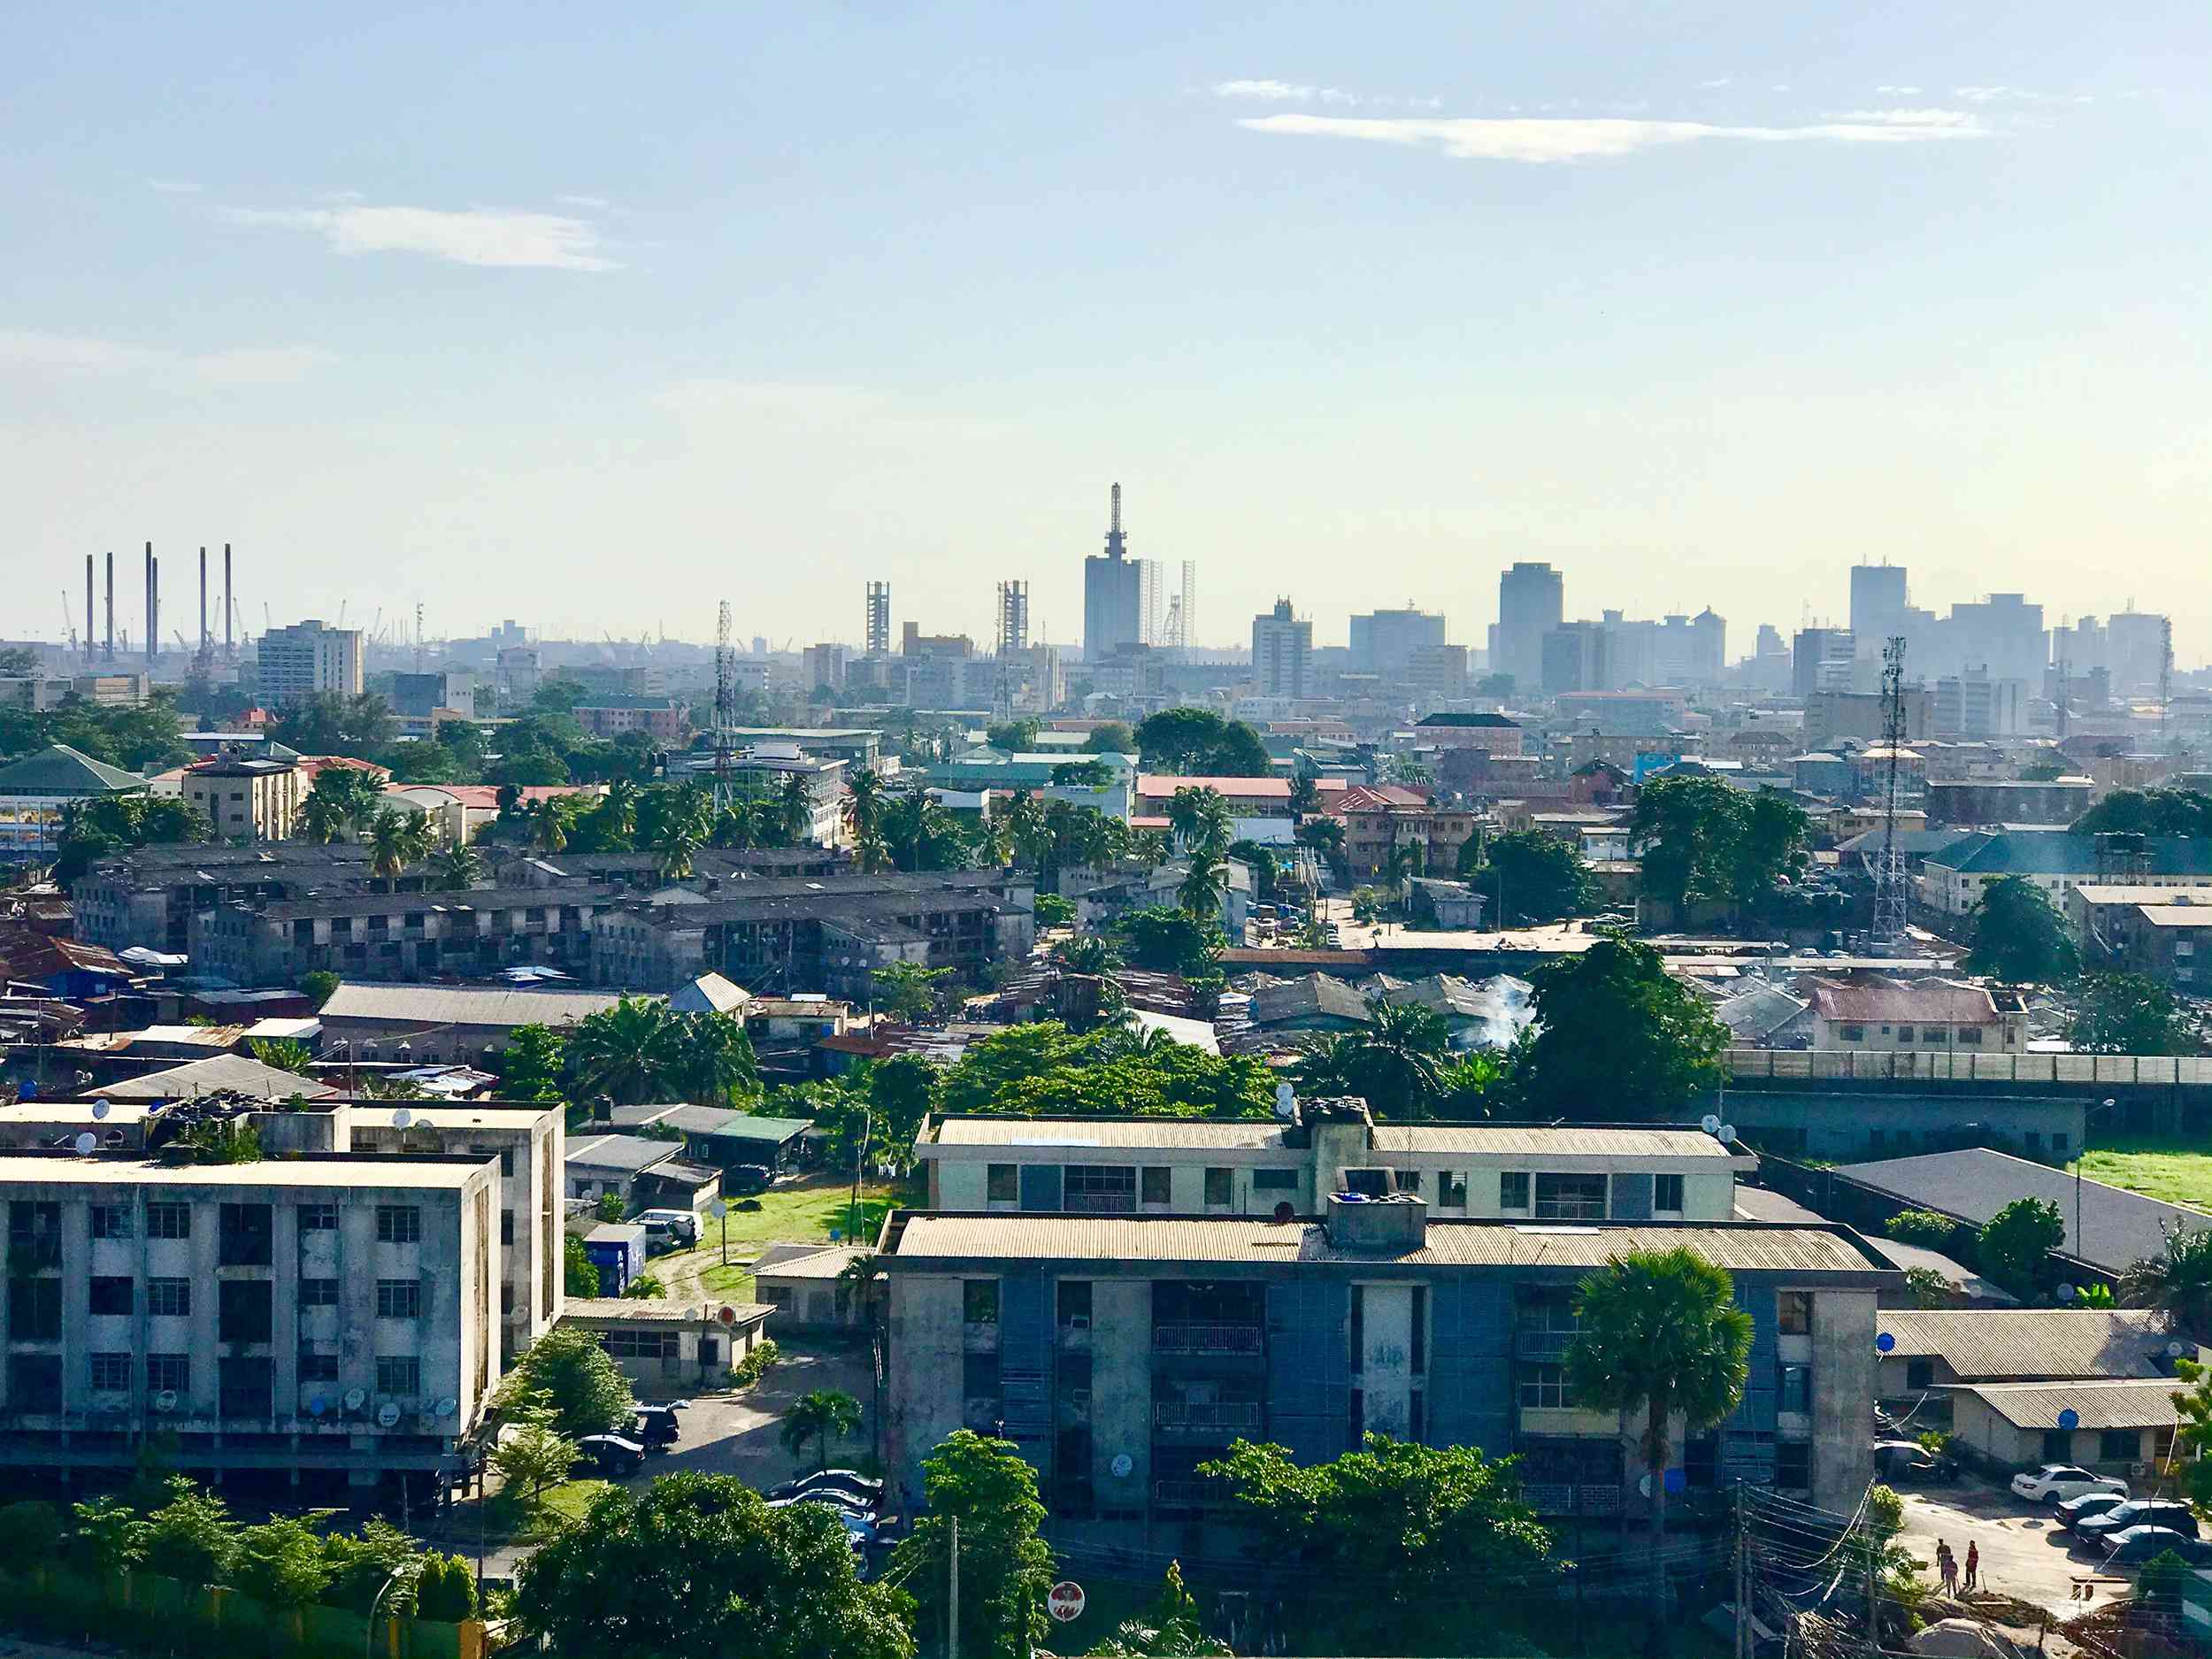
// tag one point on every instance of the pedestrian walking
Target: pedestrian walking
(1973, 1563)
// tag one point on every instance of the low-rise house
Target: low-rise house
(717, 1136)
(398, 936)
(245, 798)
(807, 1285)
(444, 1022)
(2056, 861)
(1942, 1348)
(149, 895)
(2112, 1428)
(2162, 931)
(669, 1349)
(1477, 1013)
(1877, 1013)
(709, 994)
(797, 1019)
(1317, 1003)
(222, 1073)
(1763, 1016)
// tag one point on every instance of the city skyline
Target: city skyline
(1700, 314)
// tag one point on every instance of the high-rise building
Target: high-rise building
(1572, 658)
(1531, 602)
(1013, 619)
(1820, 660)
(1282, 652)
(823, 665)
(307, 657)
(1878, 602)
(879, 634)
(1186, 630)
(2003, 634)
(1113, 595)
(1383, 642)
(2135, 643)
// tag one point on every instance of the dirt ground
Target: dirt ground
(2024, 1552)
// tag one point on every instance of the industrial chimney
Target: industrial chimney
(204, 602)
(153, 606)
(88, 610)
(228, 650)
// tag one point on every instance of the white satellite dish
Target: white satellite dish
(447, 1406)
(2066, 1293)
(100, 1110)
(166, 1401)
(1710, 1123)
(85, 1144)
(718, 1209)
(387, 1415)
(1121, 1465)
(354, 1398)
(1286, 1100)
(401, 1118)
(1728, 1133)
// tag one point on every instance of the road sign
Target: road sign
(1065, 1601)
(728, 1315)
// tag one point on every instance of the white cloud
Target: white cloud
(1268, 91)
(174, 186)
(597, 204)
(2015, 95)
(84, 355)
(1911, 118)
(1564, 139)
(1900, 92)
(1718, 80)
(478, 236)
(1263, 90)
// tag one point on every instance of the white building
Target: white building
(307, 657)
(1282, 652)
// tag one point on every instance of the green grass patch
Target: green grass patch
(507, 1519)
(803, 1212)
(734, 1282)
(2176, 1171)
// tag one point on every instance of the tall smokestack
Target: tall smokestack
(204, 602)
(153, 606)
(88, 610)
(110, 651)
(227, 647)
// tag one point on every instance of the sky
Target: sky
(592, 316)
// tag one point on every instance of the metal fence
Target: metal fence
(2152, 1070)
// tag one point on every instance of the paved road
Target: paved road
(2024, 1552)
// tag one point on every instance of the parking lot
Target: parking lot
(2024, 1552)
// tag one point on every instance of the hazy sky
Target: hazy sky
(591, 316)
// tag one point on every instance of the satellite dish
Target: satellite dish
(354, 1398)
(401, 1118)
(728, 1315)
(2175, 1350)
(87, 1143)
(1286, 1100)
(718, 1209)
(1885, 1342)
(2069, 1419)
(1710, 1123)
(1121, 1465)
(2066, 1293)
(387, 1415)
(317, 1406)
(100, 1110)
(447, 1406)
(166, 1401)
(1728, 1133)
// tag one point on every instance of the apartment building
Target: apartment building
(330, 1315)
(2057, 860)
(246, 798)
(1175, 1167)
(1380, 817)
(398, 935)
(149, 896)
(1121, 1352)
(2157, 931)
(1881, 1014)
(307, 657)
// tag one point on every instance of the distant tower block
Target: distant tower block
(878, 619)
(1013, 618)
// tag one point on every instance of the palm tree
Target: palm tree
(549, 823)
(678, 840)
(863, 812)
(1395, 1062)
(1086, 953)
(857, 1285)
(1660, 1330)
(1201, 894)
(2177, 1281)
(819, 1417)
(1200, 817)
(733, 827)
(1024, 820)
(395, 842)
(627, 1052)
(1305, 797)
(459, 868)
(322, 818)
(794, 809)
(617, 812)
(712, 1058)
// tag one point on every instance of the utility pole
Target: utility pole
(952, 1594)
(1743, 1583)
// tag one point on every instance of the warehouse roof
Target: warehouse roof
(1539, 1140)
(787, 1260)
(2095, 1405)
(1881, 999)
(237, 1072)
(464, 1004)
(2061, 852)
(630, 1152)
(2004, 1344)
(1252, 1135)
(58, 770)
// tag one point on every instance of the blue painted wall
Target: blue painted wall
(1309, 1367)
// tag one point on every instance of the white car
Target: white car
(2053, 1482)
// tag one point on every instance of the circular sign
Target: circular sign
(2070, 1418)
(1121, 1465)
(1065, 1601)
(728, 1315)
(1885, 1342)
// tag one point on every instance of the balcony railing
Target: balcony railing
(1563, 1498)
(1542, 1345)
(1240, 1415)
(1206, 1338)
(1099, 1204)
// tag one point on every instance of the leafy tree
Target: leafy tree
(191, 1538)
(1466, 1088)
(2015, 1243)
(1198, 741)
(1325, 836)
(1430, 1535)
(567, 1376)
(279, 1563)
(1005, 1568)
(1930, 1229)
(646, 1287)
(318, 986)
(2195, 1430)
(903, 1088)
(531, 1459)
(2127, 1013)
(1530, 877)
(1395, 1062)
(910, 993)
(821, 1415)
(1111, 738)
(284, 1055)
(579, 1274)
(1658, 1331)
(1086, 953)
(2177, 1281)
(376, 1568)
(711, 1059)
(2150, 813)
(2018, 936)
(701, 1564)
(445, 1590)
(107, 1538)
(532, 1064)
(1927, 1287)
(1052, 910)
(458, 868)
(627, 1052)
(335, 723)
(1019, 736)
(1170, 940)
(93, 830)
(1701, 838)
(1616, 1035)
(919, 834)
(611, 1208)
(30, 1531)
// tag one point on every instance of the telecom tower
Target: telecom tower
(878, 634)
(1889, 896)
(1013, 641)
(723, 737)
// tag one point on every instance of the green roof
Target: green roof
(63, 773)
(776, 1129)
(2064, 852)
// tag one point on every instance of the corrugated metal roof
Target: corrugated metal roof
(466, 1004)
(412, 1169)
(2095, 1405)
(246, 1076)
(2007, 1343)
(1448, 1244)
(621, 1152)
(1937, 1001)
(1138, 1132)
(1542, 1140)
(827, 1263)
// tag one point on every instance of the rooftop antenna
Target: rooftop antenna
(1889, 878)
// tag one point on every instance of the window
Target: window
(169, 1298)
(171, 1371)
(1274, 1180)
(1074, 1298)
(1797, 1389)
(113, 1296)
(1451, 1189)
(1359, 1327)
(1420, 1331)
(507, 1299)
(1409, 1181)
(1970, 1035)
(35, 1382)
(1920, 1373)
(315, 1367)
(1513, 1190)
(399, 1299)
(1793, 1313)
(318, 1218)
(2117, 1445)
(243, 1310)
(110, 1374)
(247, 1386)
(979, 1301)
(168, 1221)
(1853, 1033)
(2058, 1445)
(1355, 1417)
(398, 1376)
(1220, 1188)
(1666, 1194)
(111, 1221)
(1793, 1465)
(398, 1224)
(1570, 1198)
(1100, 1188)
(1156, 1180)
(1416, 1417)
(1001, 1184)
(1543, 1386)
(244, 1236)
(33, 1310)
(643, 1344)
(2058, 1144)
(1904, 1034)
(506, 1226)
(1936, 1034)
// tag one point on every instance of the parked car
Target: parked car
(851, 1482)
(861, 1529)
(2076, 1510)
(747, 1178)
(2142, 1512)
(2054, 1483)
(2141, 1543)
(1909, 1461)
(669, 1229)
(611, 1457)
(657, 1427)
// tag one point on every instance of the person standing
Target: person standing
(1973, 1563)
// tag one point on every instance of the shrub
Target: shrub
(447, 1590)
(1924, 1227)
(755, 1365)
(28, 1531)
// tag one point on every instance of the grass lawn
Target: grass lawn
(508, 1521)
(2177, 1170)
(804, 1211)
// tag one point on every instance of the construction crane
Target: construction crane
(69, 621)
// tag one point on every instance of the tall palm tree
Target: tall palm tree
(672, 848)
(863, 818)
(733, 827)
(322, 818)
(394, 843)
(1024, 818)
(627, 1052)
(617, 812)
(549, 823)
(1201, 894)
(1395, 1062)
(1659, 1331)
(794, 809)
(1305, 797)
(459, 868)
(1199, 817)
(713, 1058)
(820, 1417)
(2177, 1281)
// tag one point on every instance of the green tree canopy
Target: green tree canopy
(1111, 738)
(701, 1564)
(2177, 1281)
(910, 992)
(1005, 1568)
(1430, 1536)
(2018, 936)
(1396, 1063)
(532, 1064)
(1200, 743)
(819, 1417)
(1701, 838)
(2127, 1013)
(1041, 1069)
(566, 1380)
(2150, 813)
(1616, 1035)
(1170, 940)
(628, 1052)
(1930, 1229)
(335, 723)
(1529, 877)
(2017, 1241)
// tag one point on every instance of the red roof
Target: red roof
(484, 796)
(1884, 1000)
(1361, 797)
(311, 765)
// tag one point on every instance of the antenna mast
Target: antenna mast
(1890, 902)
(724, 735)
